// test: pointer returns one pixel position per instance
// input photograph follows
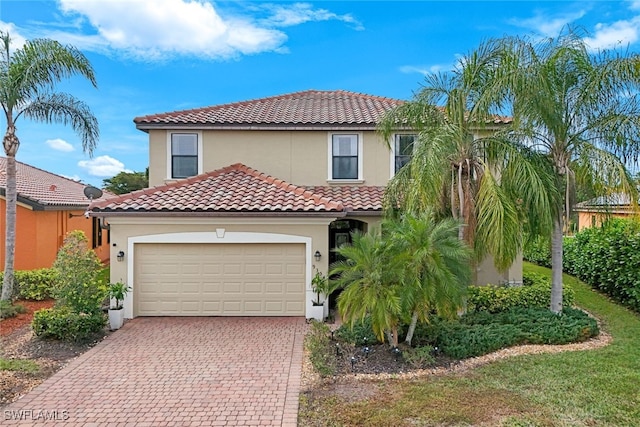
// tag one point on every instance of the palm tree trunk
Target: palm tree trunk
(556, 265)
(460, 203)
(10, 236)
(412, 328)
(392, 336)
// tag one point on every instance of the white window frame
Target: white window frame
(330, 178)
(170, 156)
(392, 144)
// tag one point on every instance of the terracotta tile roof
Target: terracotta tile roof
(45, 190)
(236, 188)
(311, 107)
(354, 198)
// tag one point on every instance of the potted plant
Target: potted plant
(320, 286)
(117, 291)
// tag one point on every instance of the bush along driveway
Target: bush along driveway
(573, 388)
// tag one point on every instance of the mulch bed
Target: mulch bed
(17, 341)
(10, 325)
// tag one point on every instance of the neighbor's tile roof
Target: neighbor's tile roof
(615, 199)
(354, 198)
(45, 189)
(311, 107)
(236, 188)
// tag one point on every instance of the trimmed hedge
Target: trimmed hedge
(34, 284)
(63, 324)
(538, 251)
(475, 334)
(608, 259)
(534, 293)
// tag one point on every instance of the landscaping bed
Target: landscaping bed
(34, 358)
(580, 384)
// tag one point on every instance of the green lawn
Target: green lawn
(585, 388)
(18, 365)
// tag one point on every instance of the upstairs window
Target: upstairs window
(344, 156)
(402, 150)
(184, 155)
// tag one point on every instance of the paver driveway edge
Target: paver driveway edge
(177, 372)
(290, 417)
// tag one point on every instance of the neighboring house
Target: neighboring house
(49, 206)
(594, 212)
(247, 198)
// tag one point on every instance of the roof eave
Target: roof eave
(217, 214)
(146, 127)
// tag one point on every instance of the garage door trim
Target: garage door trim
(220, 236)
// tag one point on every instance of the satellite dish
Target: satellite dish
(92, 192)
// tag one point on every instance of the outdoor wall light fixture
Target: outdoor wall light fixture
(317, 255)
(120, 256)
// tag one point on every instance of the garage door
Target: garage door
(219, 280)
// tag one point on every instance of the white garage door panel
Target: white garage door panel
(219, 279)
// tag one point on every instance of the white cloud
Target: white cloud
(299, 13)
(634, 5)
(73, 177)
(154, 30)
(103, 166)
(424, 69)
(620, 33)
(17, 40)
(548, 26)
(59, 145)
(162, 29)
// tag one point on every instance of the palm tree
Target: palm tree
(437, 269)
(369, 274)
(465, 166)
(28, 77)
(580, 108)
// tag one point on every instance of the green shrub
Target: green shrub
(419, 357)
(37, 284)
(8, 309)
(64, 324)
(33, 284)
(535, 292)
(78, 268)
(321, 352)
(478, 333)
(360, 334)
(538, 251)
(608, 259)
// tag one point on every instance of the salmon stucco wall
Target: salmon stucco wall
(39, 235)
(591, 219)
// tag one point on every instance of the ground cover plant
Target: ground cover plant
(581, 388)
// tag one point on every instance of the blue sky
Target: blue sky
(165, 55)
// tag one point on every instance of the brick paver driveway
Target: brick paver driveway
(213, 371)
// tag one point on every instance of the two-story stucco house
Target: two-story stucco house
(245, 199)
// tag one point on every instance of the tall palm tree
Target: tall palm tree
(464, 164)
(581, 109)
(437, 269)
(28, 77)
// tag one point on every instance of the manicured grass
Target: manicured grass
(18, 365)
(584, 388)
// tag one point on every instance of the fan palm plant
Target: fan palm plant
(465, 166)
(581, 109)
(28, 76)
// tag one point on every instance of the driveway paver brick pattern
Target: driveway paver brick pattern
(177, 371)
